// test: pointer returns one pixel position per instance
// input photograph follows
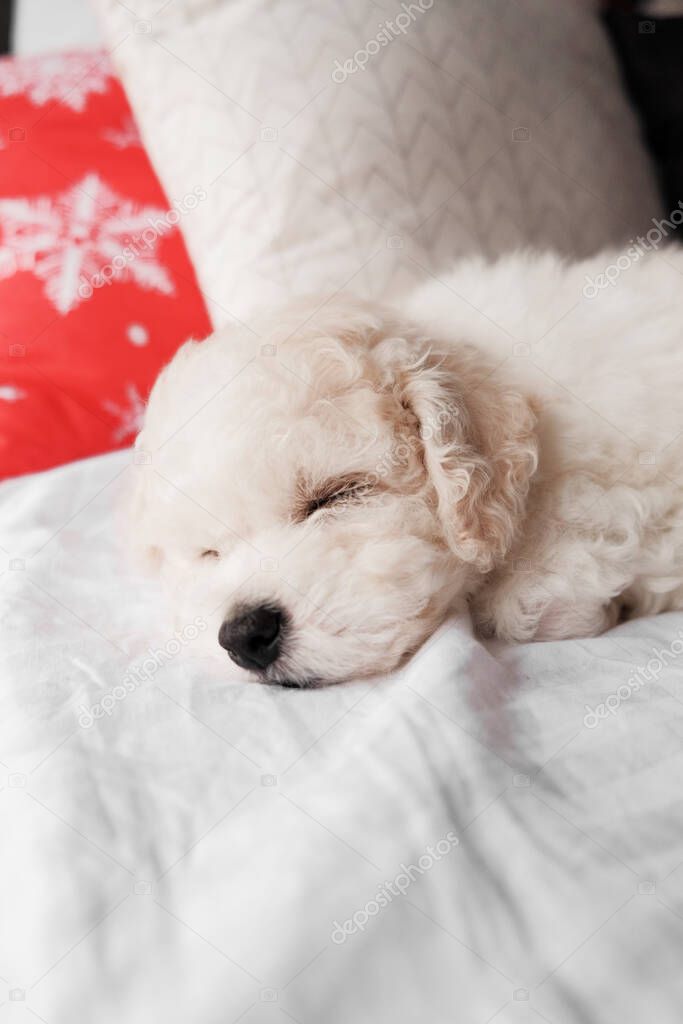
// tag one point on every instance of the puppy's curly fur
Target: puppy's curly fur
(501, 438)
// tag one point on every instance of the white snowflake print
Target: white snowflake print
(130, 415)
(8, 393)
(83, 239)
(125, 136)
(67, 78)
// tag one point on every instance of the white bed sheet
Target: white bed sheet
(186, 857)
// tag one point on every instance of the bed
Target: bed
(181, 845)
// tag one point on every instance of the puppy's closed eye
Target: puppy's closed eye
(332, 492)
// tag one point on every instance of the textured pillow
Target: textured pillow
(362, 145)
(96, 290)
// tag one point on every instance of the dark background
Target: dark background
(5, 25)
(650, 54)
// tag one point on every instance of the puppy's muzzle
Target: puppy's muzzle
(253, 637)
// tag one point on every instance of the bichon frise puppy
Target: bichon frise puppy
(330, 484)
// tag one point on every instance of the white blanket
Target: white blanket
(213, 851)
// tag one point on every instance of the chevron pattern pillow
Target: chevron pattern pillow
(364, 146)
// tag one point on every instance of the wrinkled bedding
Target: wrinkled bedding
(462, 841)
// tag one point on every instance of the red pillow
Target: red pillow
(96, 287)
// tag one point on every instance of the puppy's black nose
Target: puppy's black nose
(252, 637)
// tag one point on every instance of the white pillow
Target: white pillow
(353, 145)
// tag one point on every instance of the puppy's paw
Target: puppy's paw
(509, 611)
(528, 610)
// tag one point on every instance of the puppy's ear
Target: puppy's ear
(479, 444)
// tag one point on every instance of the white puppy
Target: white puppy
(329, 485)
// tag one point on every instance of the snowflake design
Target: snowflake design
(125, 136)
(68, 78)
(81, 239)
(130, 415)
(8, 393)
